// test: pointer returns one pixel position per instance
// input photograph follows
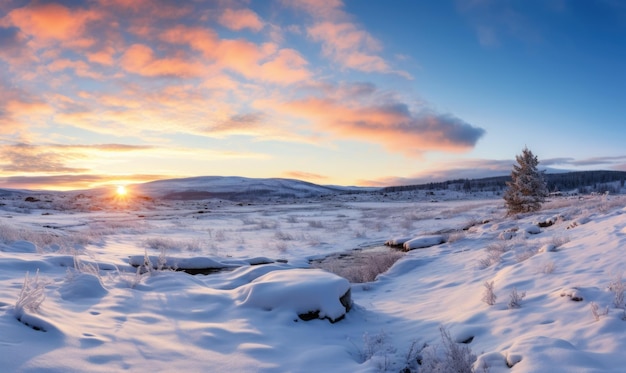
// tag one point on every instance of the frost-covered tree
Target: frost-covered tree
(527, 188)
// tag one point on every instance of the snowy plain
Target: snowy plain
(70, 301)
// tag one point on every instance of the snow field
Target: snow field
(100, 314)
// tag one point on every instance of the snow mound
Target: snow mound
(82, 286)
(307, 293)
(20, 247)
(532, 229)
(423, 242)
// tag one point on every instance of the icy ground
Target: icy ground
(71, 302)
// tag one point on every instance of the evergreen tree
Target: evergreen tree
(527, 188)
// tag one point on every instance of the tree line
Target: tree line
(583, 181)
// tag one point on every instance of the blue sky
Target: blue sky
(337, 92)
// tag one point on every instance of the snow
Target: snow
(86, 308)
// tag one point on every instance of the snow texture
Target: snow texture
(84, 306)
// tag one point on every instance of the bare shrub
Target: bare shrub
(83, 267)
(31, 296)
(525, 253)
(515, 299)
(283, 236)
(169, 244)
(597, 312)
(44, 239)
(617, 287)
(558, 241)
(489, 296)
(220, 235)
(455, 236)
(359, 271)
(455, 357)
(315, 224)
(281, 247)
(494, 255)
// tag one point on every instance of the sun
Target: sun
(121, 191)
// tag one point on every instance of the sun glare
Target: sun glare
(121, 191)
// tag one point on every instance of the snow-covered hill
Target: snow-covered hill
(238, 188)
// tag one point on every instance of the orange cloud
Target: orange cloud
(287, 67)
(75, 181)
(391, 125)
(103, 57)
(80, 68)
(20, 111)
(51, 21)
(140, 59)
(238, 20)
(300, 175)
(200, 39)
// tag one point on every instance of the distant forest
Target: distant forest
(580, 181)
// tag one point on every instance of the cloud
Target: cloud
(351, 47)
(300, 175)
(140, 59)
(46, 22)
(239, 124)
(465, 169)
(74, 181)
(240, 19)
(495, 20)
(53, 158)
(390, 124)
(27, 158)
(594, 161)
(18, 106)
(342, 40)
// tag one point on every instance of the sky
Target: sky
(353, 92)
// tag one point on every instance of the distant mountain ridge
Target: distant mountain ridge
(238, 188)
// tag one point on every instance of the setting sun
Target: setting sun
(121, 191)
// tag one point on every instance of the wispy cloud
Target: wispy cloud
(344, 41)
(239, 19)
(75, 181)
(466, 169)
(589, 162)
(301, 175)
(53, 159)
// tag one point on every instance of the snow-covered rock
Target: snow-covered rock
(306, 293)
(423, 242)
(397, 242)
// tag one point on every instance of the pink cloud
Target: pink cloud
(238, 20)
(102, 57)
(342, 40)
(199, 39)
(286, 67)
(51, 21)
(391, 125)
(140, 59)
